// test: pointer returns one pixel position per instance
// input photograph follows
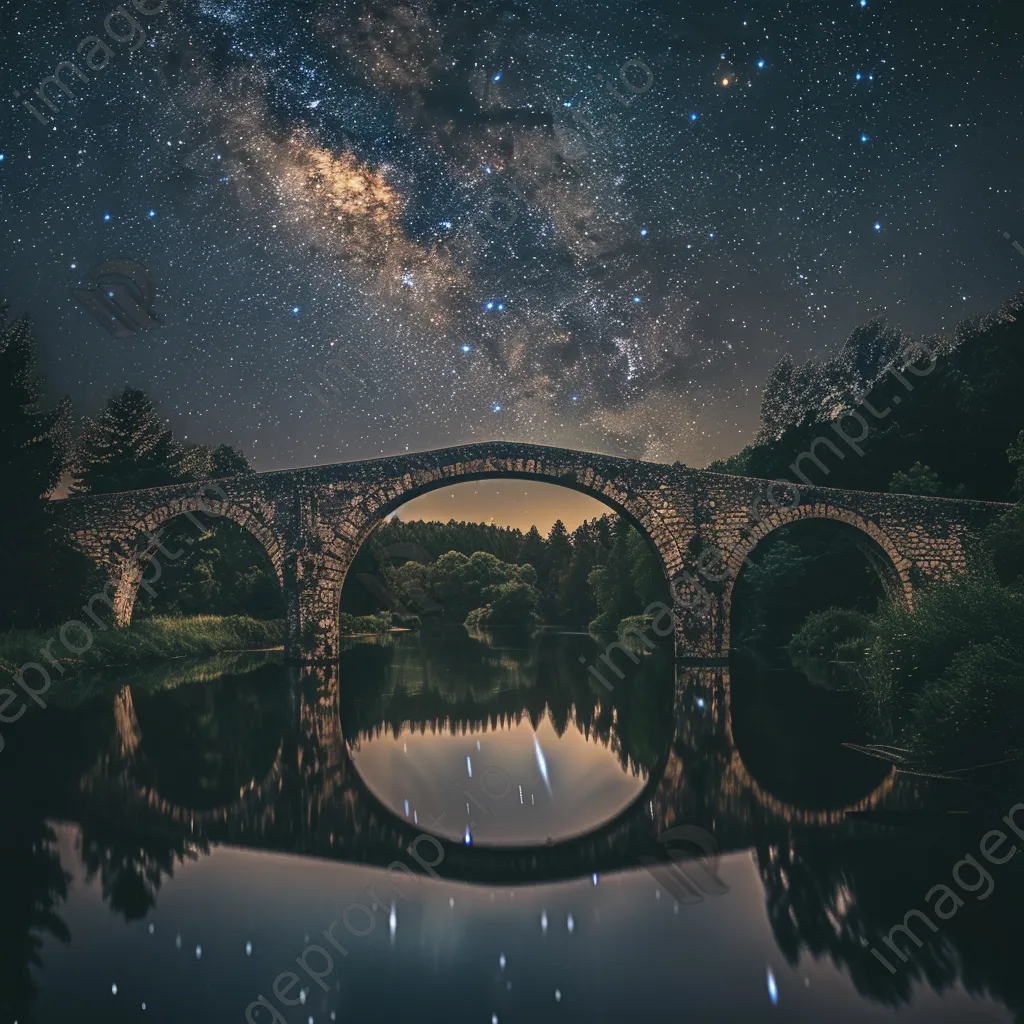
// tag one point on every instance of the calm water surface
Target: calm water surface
(174, 840)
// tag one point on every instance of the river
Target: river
(443, 827)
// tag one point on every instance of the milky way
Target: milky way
(377, 228)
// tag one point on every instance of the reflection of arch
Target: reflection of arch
(881, 553)
(737, 778)
(257, 794)
(147, 544)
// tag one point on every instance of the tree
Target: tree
(508, 604)
(576, 599)
(42, 571)
(1015, 454)
(532, 550)
(919, 479)
(201, 462)
(553, 569)
(613, 584)
(125, 448)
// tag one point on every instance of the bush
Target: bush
(910, 650)
(840, 634)
(509, 604)
(974, 712)
(359, 625)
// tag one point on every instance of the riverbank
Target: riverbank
(147, 640)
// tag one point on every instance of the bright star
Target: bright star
(760, 63)
(467, 348)
(878, 227)
(497, 77)
(106, 216)
(643, 232)
(693, 117)
(637, 300)
(864, 138)
(152, 213)
(495, 407)
(859, 76)
(295, 310)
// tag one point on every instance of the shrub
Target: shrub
(912, 649)
(356, 625)
(840, 634)
(974, 712)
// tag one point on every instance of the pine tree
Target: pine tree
(576, 598)
(201, 462)
(38, 566)
(557, 558)
(125, 448)
(613, 584)
(532, 551)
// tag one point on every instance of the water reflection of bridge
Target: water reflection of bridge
(310, 799)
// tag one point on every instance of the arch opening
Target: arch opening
(191, 562)
(501, 583)
(807, 566)
(497, 514)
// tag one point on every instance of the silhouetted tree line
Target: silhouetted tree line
(948, 436)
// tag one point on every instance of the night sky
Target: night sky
(384, 227)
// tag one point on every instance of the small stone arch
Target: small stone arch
(143, 543)
(892, 567)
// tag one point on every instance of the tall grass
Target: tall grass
(147, 640)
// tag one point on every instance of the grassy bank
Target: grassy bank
(147, 640)
(945, 680)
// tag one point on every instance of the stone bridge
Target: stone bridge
(702, 525)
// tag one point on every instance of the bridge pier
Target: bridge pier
(312, 603)
(701, 623)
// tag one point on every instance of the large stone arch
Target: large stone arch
(320, 593)
(881, 552)
(144, 543)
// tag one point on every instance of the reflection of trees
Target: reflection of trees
(840, 896)
(131, 863)
(450, 680)
(32, 886)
